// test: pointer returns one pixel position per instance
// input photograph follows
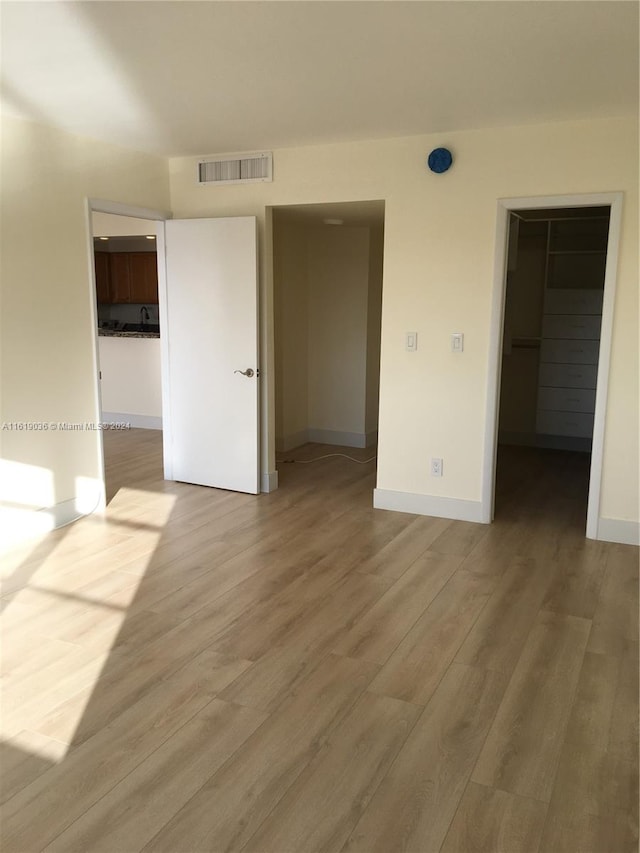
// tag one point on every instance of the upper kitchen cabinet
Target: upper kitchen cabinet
(134, 277)
(102, 277)
(143, 267)
(120, 277)
(126, 271)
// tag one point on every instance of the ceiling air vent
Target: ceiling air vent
(236, 169)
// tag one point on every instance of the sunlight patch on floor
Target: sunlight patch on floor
(24, 490)
(60, 627)
(40, 745)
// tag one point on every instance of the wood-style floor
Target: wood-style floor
(295, 672)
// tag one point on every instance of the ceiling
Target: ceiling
(348, 213)
(198, 78)
(124, 244)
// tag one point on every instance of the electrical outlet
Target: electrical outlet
(436, 467)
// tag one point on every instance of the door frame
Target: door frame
(97, 205)
(504, 208)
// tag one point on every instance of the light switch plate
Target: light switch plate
(411, 341)
(457, 342)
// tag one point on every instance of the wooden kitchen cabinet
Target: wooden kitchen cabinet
(102, 277)
(144, 277)
(120, 277)
(134, 277)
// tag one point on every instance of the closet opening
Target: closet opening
(327, 280)
(555, 279)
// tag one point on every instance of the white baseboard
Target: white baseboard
(63, 513)
(269, 482)
(136, 421)
(18, 526)
(325, 436)
(341, 439)
(619, 530)
(427, 505)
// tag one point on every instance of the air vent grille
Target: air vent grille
(236, 169)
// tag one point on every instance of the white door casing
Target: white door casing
(505, 206)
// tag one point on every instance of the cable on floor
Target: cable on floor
(328, 456)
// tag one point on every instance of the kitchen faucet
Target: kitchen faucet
(144, 315)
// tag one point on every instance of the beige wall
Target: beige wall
(326, 366)
(47, 315)
(291, 309)
(438, 274)
(109, 225)
(338, 293)
(374, 318)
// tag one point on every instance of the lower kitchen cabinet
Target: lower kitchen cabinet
(130, 381)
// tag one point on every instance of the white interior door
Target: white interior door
(211, 331)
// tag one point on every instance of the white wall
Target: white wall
(48, 321)
(131, 387)
(438, 274)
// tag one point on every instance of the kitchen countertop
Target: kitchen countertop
(112, 333)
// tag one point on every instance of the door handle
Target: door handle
(248, 372)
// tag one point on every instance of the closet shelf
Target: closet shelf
(526, 343)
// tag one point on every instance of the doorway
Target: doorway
(551, 339)
(212, 307)
(327, 285)
(126, 271)
(125, 246)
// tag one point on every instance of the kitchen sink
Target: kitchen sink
(140, 327)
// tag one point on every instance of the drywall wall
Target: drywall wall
(292, 337)
(438, 277)
(110, 225)
(130, 386)
(374, 319)
(48, 321)
(327, 291)
(338, 281)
